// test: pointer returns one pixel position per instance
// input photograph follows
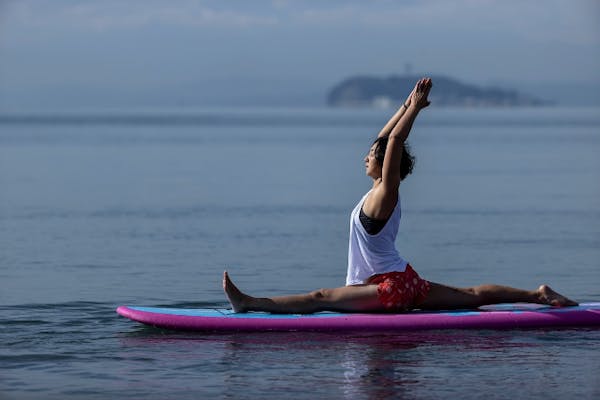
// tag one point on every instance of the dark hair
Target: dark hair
(407, 163)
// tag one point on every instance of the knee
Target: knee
(320, 295)
(480, 292)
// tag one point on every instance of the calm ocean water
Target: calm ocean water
(100, 209)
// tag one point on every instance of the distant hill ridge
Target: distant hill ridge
(367, 91)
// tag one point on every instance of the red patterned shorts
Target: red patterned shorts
(400, 290)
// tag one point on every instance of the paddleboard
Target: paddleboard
(502, 316)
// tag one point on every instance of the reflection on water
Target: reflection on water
(349, 366)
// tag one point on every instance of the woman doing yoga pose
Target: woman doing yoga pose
(378, 278)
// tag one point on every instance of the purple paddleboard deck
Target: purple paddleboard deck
(503, 316)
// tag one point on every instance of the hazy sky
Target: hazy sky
(60, 53)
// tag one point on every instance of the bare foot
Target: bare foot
(550, 297)
(237, 299)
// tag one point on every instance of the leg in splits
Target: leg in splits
(348, 298)
(442, 297)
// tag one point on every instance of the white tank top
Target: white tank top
(369, 255)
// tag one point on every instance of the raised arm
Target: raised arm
(393, 156)
(387, 129)
(417, 101)
(380, 204)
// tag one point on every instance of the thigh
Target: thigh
(442, 297)
(352, 298)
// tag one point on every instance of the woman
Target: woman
(378, 278)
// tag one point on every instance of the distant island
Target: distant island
(366, 91)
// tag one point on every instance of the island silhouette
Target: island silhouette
(370, 91)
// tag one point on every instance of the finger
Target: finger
(428, 86)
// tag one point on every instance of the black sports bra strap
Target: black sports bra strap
(372, 226)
